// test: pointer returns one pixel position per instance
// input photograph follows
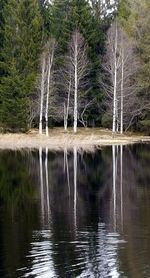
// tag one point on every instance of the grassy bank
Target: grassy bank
(84, 139)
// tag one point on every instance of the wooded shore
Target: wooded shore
(86, 139)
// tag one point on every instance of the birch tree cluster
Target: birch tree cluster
(120, 65)
(75, 79)
(47, 97)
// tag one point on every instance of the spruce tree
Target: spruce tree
(2, 6)
(82, 17)
(60, 29)
(19, 61)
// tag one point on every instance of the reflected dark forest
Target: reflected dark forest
(75, 214)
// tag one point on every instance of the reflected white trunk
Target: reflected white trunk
(117, 168)
(65, 159)
(68, 176)
(66, 169)
(41, 182)
(114, 185)
(47, 183)
(75, 185)
(121, 183)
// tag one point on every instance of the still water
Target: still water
(75, 214)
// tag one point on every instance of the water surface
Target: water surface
(75, 214)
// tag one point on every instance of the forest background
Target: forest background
(74, 63)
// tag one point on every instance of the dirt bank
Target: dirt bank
(84, 139)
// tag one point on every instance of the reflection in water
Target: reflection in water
(114, 156)
(80, 214)
(121, 184)
(75, 186)
(44, 185)
(41, 181)
(117, 155)
(40, 256)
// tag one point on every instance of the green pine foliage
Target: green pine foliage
(68, 15)
(19, 62)
(2, 5)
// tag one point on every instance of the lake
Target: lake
(75, 214)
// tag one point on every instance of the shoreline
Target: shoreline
(58, 140)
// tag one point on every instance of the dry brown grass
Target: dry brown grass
(87, 139)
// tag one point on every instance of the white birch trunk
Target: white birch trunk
(65, 118)
(42, 94)
(76, 86)
(50, 63)
(122, 88)
(115, 82)
(66, 109)
(117, 116)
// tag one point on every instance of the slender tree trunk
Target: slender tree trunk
(121, 183)
(76, 87)
(66, 109)
(115, 82)
(41, 182)
(65, 153)
(114, 185)
(65, 117)
(50, 63)
(122, 89)
(75, 186)
(42, 94)
(117, 115)
(47, 184)
(68, 176)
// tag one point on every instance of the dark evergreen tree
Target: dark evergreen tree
(82, 17)
(19, 61)
(68, 15)
(2, 5)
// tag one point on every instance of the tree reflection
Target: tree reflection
(17, 209)
(82, 207)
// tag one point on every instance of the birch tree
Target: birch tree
(121, 66)
(51, 50)
(67, 91)
(111, 66)
(42, 90)
(47, 61)
(77, 69)
(135, 18)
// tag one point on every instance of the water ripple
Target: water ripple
(91, 255)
